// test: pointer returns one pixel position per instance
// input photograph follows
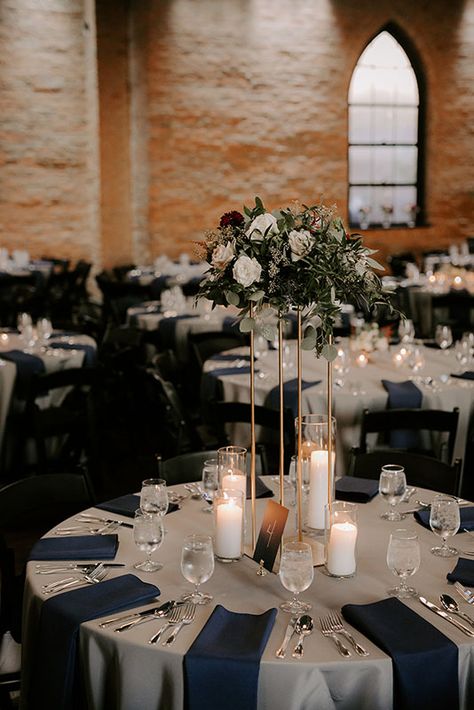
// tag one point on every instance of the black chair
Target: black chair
(188, 467)
(268, 422)
(421, 471)
(203, 345)
(385, 421)
(455, 309)
(398, 262)
(11, 596)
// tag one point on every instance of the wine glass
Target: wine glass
(444, 521)
(443, 337)
(197, 566)
(210, 482)
(44, 330)
(392, 486)
(403, 559)
(462, 354)
(296, 574)
(406, 330)
(154, 496)
(148, 535)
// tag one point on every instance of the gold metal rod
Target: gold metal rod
(252, 433)
(329, 403)
(282, 420)
(299, 482)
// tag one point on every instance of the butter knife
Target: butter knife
(446, 616)
(290, 630)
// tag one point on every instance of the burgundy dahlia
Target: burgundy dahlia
(231, 219)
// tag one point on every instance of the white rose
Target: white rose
(246, 270)
(222, 254)
(300, 243)
(260, 225)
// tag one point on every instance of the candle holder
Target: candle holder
(232, 468)
(229, 525)
(341, 538)
(317, 449)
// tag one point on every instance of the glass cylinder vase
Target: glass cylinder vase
(315, 444)
(232, 464)
(341, 538)
(229, 525)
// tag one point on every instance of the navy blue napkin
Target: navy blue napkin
(210, 389)
(403, 395)
(466, 515)
(127, 505)
(222, 666)
(463, 572)
(158, 285)
(230, 324)
(226, 357)
(290, 393)
(356, 490)
(261, 490)
(468, 375)
(90, 354)
(415, 646)
(55, 682)
(77, 547)
(27, 366)
(167, 327)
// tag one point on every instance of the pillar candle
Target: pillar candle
(341, 549)
(228, 530)
(235, 480)
(318, 489)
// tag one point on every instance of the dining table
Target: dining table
(359, 387)
(124, 671)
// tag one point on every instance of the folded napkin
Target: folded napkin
(27, 366)
(261, 490)
(127, 505)
(415, 646)
(230, 357)
(77, 547)
(356, 490)
(55, 680)
(222, 666)
(290, 393)
(463, 572)
(468, 375)
(90, 353)
(403, 395)
(466, 515)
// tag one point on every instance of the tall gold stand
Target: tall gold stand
(329, 403)
(252, 434)
(282, 420)
(299, 477)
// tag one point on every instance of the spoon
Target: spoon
(451, 605)
(303, 627)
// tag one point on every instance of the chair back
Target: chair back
(188, 467)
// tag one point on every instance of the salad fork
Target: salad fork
(174, 618)
(94, 577)
(186, 617)
(335, 623)
(326, 630)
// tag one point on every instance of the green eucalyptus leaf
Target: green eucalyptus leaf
(259, 203)
(374, 264)
(247, 324)
(257, 296)
(308, 343)
(268, 331)
(232, 298)
(329, 352)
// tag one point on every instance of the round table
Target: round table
(122, 671)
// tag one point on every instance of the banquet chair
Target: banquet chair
(203, 345)
(440, 422)
(455, 309)
(188, 467)
(422, 471)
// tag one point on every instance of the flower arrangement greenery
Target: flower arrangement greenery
(297, 257)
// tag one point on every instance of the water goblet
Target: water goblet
(148, 535)
(406, 331)
(444, 521)
(443, 337)
(44, 330)
(392, 486)
(403, 559)
(154, 496)
(197, 566)
(296, 574)
(210, 482)
(462, 354)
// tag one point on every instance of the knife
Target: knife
(290, 630)
(88, 518)
(163, 609)
(52, 570)
(446, 616)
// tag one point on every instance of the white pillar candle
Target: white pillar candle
(318, 489)
(341, 549)
(228, 530)
(235, 481)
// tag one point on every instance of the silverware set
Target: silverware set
(464, 592)
(447, 616)
(331, 626)
(87, 529)
(55, 567)
(179, 616)
(89, 576)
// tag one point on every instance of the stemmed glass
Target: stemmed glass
(462, 353)
(392, 486)
(406, 331)
(197, 566)
(296, 574)
(210, 482)
(148, 535)
(154, 496)
(25, 328)
(403, 559)
(444, 521)
(443, 337)
(44, 330)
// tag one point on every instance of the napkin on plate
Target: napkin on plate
(56, 663)
(468, 375)
(76, 547)
(90, 354)
(290, 392)
(356, 490)
(222, 666)
(403, 395)
(466, 515)
(27, 366)
(425, 662)
(463, 572)
(127, 505)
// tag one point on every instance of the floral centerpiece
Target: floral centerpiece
(369, 339)
(296, 257)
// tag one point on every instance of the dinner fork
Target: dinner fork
(94, 577)
(466, 594)
(174, 618)
(335, 623)
(187, 617)
(327, 631)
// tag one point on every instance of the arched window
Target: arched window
(384, 137)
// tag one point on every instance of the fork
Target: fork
(94, 577)
(326, 630)
(174, 618)
(466, 594)
(336, 625)
(187, 617)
